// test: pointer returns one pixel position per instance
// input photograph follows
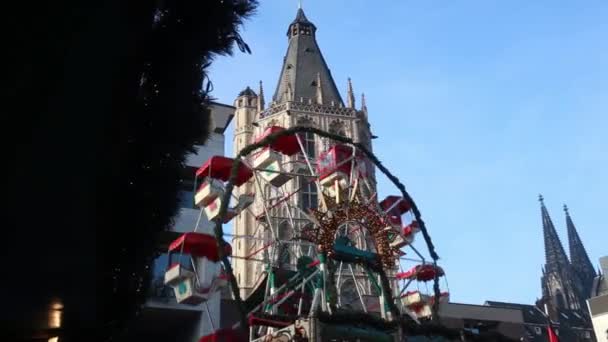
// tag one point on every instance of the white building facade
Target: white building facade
(163, 318)
(598, 303)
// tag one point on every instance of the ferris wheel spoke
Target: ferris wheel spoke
(367, 200)
(351, 174)
(417, 253)
(350, 267)
(312, 172)
(339, 283)
(266, 211)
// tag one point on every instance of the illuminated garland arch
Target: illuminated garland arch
(355, 212)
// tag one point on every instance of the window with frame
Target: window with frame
(308, 195)
(308, 142)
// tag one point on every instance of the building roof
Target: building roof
(304, 69)
(247, 92)
(481, 312)
(221, 115)
(531, 314)
(301, 18)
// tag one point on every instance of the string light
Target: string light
(349, 211)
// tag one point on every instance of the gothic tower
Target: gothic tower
(246, 105)
(579, 259)
(561, 286)
(306, 94)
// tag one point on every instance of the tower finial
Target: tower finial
(566, 209)
(299, 4)
(261, 98)
(363, 104)
(541, 199)
(350, 98)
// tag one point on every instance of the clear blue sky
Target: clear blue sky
(479, 107)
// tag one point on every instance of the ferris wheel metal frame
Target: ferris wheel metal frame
(346, 196)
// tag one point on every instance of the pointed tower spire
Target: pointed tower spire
(304, 65)
(350, 98)
(578, 255)
(555, 257)
(261, 98)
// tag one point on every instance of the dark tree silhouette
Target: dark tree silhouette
(105, 100)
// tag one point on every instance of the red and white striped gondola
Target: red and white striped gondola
(424, 273)
(394, 208)
(270, 158)
(188, 286)
(420, 304)
(339, 167)
(214, 173)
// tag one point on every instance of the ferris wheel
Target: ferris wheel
(318, 239)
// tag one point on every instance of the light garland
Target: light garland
(364, 215)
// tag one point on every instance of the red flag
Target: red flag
(552, 336)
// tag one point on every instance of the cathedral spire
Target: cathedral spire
(304, 66)
(555, 257)
(350, 99)
(578, 255)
